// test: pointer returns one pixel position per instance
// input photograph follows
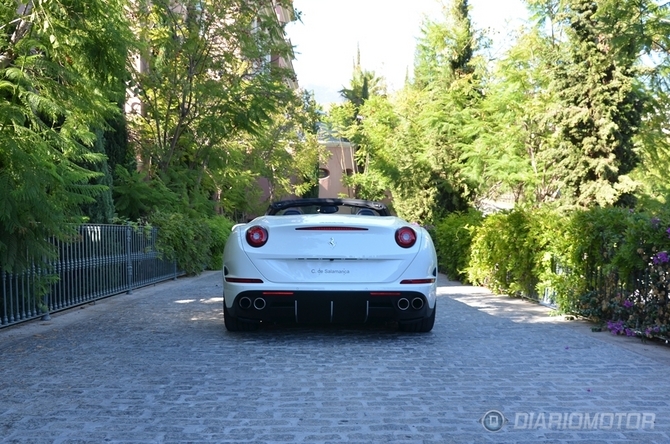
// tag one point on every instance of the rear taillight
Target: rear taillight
(418, 281)
(257, 236)
(244, 280)
(405, 237)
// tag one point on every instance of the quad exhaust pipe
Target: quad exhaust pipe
(259, 303)
(246, 303)
(405, 304)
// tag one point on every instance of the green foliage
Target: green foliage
(60, 70)
(437, 107)
(286, 151)
(366, 120)
(453, 239)
(447, 105)
(504, 254)
(137, 197)
(211, 99)
(613, 253)
(607, 264)
(220, 228)
(185, 239)
(363, 85)
(509, 128)
(408, 145)
(102, 210)
(446, 46)
(599, 107)
(565, 115)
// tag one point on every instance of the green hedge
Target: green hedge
(453, 239)
(196, 244)
(608, 264)
(220, 228)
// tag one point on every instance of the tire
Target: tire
(423, 325)
(234, 323)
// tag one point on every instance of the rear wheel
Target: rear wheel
(423, 325)
(233, 323)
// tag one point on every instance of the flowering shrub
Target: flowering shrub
(650, 332)
(645, 311)
(619, 328)
(611, 265)
(660, 258)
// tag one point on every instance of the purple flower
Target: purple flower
(668, 231)
(655, 222)
(615, 327)
(627, 303)
(661, 258)
(649, 330)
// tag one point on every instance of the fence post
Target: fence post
(44, 306)
(129, 259)
(174, 266)
(5, 298)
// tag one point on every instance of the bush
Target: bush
(611, 265)
(453, 238)
(626, 269)
(220, 228)
(504, 254)
(183, 239)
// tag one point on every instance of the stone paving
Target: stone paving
(158, 366)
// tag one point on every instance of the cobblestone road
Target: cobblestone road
(158, 366)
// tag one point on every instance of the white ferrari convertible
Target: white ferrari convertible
(329, 261)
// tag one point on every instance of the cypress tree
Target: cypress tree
(599, 110)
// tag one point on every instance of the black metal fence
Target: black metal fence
(102, 261)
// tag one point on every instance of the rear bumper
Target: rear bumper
(323, 307)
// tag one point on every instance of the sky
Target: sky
(330, 31)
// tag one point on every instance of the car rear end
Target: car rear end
(329, 269)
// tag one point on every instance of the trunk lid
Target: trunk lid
(331, 249)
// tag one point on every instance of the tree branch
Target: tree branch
(21, 30)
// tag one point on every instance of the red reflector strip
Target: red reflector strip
(384, 293)
(244, 280)
(277, 293)
(418, 281)
(331, 229)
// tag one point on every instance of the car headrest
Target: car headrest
(365, 212)
(328, 209)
